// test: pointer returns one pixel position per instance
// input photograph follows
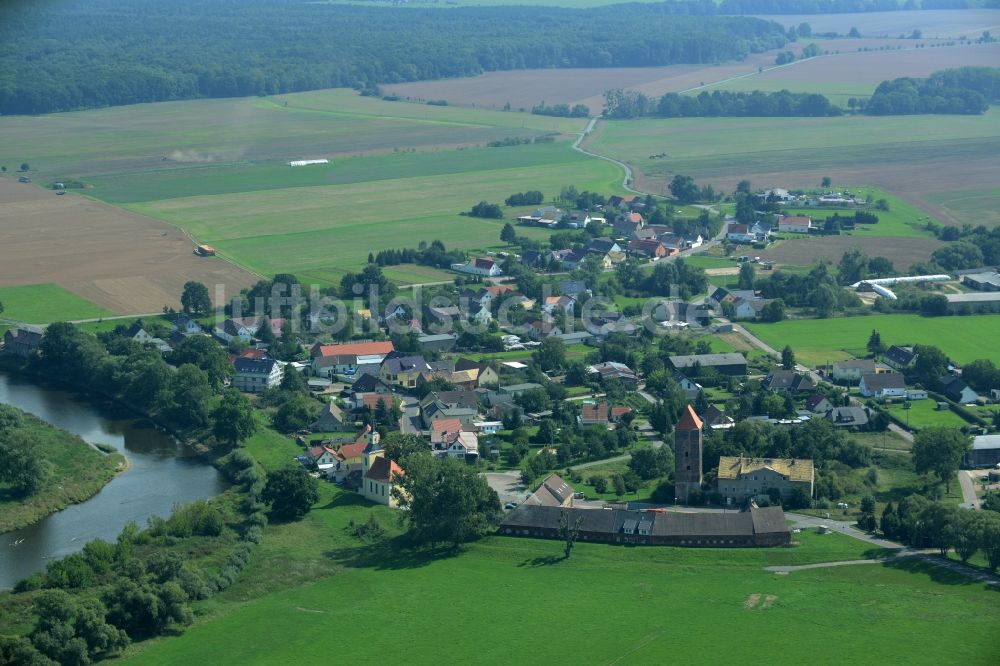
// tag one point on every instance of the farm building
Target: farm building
(22, 341)
(756, 527)
(733, 364)
(988, 301)
(985, 452)
(985, 281)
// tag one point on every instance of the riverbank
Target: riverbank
(74, 472)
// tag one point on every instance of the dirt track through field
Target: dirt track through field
(123, 262)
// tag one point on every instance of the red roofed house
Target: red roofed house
(328, 360)
(598, 413)
(687, 454)
(796, 224)
(352, 456)
(324, 457)
(441, 429)
(653, 249)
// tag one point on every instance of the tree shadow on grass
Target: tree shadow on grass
(935, 570)
(542, 561)
(881, 553)
(346, 499)
(391, 554)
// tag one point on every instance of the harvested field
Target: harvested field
(122, 262)
(973, 207)
(938, 23)
(902, 252)
(851, 73)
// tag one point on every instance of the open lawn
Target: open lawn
(902, 219)
(330, 229)
(312, 575)
(817, 341)
(45, 303)
(925, 414)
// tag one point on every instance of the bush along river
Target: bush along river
(162, 472)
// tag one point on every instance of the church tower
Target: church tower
(687, 454)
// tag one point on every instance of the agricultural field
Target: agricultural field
(327, 230)
(848, 71)
(934, 23)
(902, 252)
(822, 341)
(974, 207)
(905, 156)
(311, 575)
(45, 303)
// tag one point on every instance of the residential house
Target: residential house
(578, 219)
(694, 239)
(851, 371)
(600, 413)
(732, 364)
(628, 224)
(325, 457)
(606, 247)
(462, 444)
(331, 419)
(553, 491)
(749, 308)
(553, 304)
(23, 340)
(619, 371)
(673, 243)
(796, 224)
(848, 417)
(900, 358)
(574, 289)
(442, 429)
(818, 403)
(539, 329)
(883, 385)
(716, 419)
(690, 387)
(651, 249)
(439, 342)
(957, 390)
(346, 359)
(241, 329)
(479, 266)
(788, 381)
(742, 479)
(256, 375)
(740, 233)
(406, 372)
(186, 325)
(480, 373)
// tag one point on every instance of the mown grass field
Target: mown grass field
(903, 219)
(975, 207)
(604, 605)
(45, 303)
(325, 231)
(77, 471)
(820, 341)
(924, 414)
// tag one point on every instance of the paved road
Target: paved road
(409, 422)
(803, 521)
(967, 479)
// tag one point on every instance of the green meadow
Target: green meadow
(902, 218)
(45, 303)
(924, 414)
(195, 133)
(312, 591)
(821, 341)
(323, 231)
(974, 207)
(741, 147)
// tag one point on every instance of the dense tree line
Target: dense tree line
(487, 210)
(967, 90)
(435, 254)
(89, 53)
(562, 110)
(756, 103)
(817, 289)
(529, 198)
(920, 522)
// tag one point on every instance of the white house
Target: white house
(796, 224)
(479, 266)
(883, 385)
(257, 375)
(233, 329)
(186, 325)
(740, 233)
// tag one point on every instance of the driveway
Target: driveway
(968, 478)
(507, 485)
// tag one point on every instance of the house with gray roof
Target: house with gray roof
(732, 364)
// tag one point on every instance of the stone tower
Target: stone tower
(687, 454)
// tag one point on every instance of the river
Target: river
(162, 473)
